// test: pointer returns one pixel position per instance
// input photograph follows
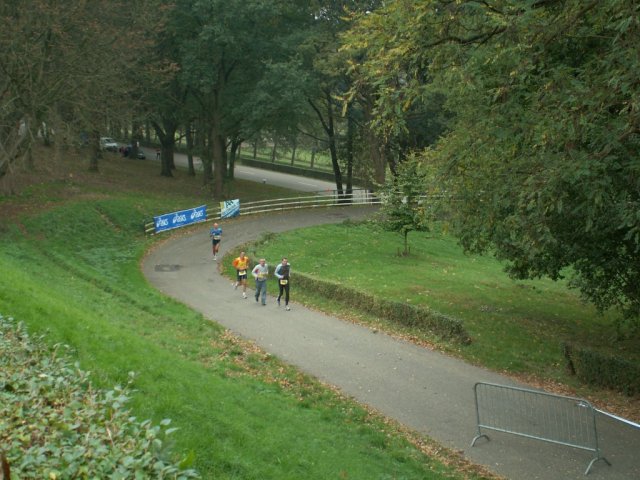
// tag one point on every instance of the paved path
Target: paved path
(427, 391)
(258, 175)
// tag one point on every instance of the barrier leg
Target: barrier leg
(480, 435)
(594, 461)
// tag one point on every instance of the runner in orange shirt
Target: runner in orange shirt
(241, 264)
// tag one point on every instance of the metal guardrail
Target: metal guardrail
(538, 415)
(329, 198)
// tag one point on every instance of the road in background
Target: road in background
(278, 179)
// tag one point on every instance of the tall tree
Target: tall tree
(223, 57)
(163, 98)
(543, 157)
(400, 113)
(64, 70)
(328, 79)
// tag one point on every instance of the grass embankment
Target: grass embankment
(517, 327)
(72, 271)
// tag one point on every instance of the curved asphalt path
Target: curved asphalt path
(424, 390)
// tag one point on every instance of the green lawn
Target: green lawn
(516, 326)
(71, 270)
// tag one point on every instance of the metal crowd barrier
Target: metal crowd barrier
(539, 415)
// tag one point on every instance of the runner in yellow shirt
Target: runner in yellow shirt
(241, 264)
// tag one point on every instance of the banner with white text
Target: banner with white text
(229, 208)
(179, 219)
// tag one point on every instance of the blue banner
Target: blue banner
(229, 208)
(180, 219)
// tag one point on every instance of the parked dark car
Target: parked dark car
(126, 152)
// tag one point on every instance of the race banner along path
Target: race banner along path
(179, 219)
(230, 208)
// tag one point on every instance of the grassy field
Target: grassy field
(517, 327)
(70, 248)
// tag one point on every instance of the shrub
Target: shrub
(402, 313)
(54, 425)
(607, 371)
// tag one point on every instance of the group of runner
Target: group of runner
(260, 272)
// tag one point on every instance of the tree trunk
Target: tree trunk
(273, 151)
(218, 164)
(189, 136)
(378, 158)
(349, 154)
(166, 159)
(376, 150)
(218, 150)
(165, 163)
(392, 161)
(136, 136)
(167, 136)
(44, 131)
(96, 153)
(293, 151)
(203, 140)
(333, 147)
(28, 152)
(329, 128)
(233, 155)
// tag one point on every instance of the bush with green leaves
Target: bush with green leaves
(423, 318)
(54, 425)
(604, 370)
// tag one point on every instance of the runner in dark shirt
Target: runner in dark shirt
(283, 272)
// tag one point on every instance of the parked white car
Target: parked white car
(109, 144)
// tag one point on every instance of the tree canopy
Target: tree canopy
(542, 153)
(527, 110)
(226, 60)
(62, 69)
